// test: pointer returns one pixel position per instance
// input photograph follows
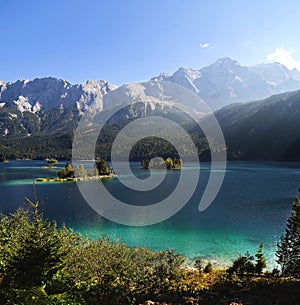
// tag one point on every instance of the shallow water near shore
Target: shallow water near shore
(252, 207)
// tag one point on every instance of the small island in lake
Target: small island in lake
(160, 163)
(51, 163)
(79, 173)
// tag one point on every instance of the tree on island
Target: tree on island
(67, 172)
(92, 172)
(51, 162)
(145, 164)
(177, 163)
(169, 163)
(102, 167)
(157, 162)
(3, 159)
(80, 171)
(288, 252)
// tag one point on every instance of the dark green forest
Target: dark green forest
(59, 145)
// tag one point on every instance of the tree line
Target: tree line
(100, 168)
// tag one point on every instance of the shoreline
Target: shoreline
(73, 179)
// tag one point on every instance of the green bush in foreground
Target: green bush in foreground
(43, 264)
(245, 265)
(33, 252)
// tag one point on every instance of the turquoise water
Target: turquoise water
(252, 207)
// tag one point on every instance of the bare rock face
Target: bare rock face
(50, 93)
(46, 104)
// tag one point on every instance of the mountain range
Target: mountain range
(38, 116)
(226, 81)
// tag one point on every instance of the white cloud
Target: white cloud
(285, 57)
(204, 45)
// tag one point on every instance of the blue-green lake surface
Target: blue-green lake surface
(252, 207)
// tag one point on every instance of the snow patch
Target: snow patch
(37, 107)
(271, 83)
(64, 95)
(79, 108)
(25, 81)
(240, 80)
(23, 104)
(231, 92)
(152, 105)
(13, 115)
(1, 105)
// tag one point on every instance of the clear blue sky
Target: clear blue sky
(132, 40)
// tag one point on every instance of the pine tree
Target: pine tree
(199, 264)
(102, 167)
(242, 265)
(288, 251)
(37, 253)
(260, 260)
(169, 163)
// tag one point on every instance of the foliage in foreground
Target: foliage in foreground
(288, 252)
(41, 263)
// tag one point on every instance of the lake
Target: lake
(252, 207)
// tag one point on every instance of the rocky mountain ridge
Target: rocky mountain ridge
(226, 81)
(47, 93)
(218, 84)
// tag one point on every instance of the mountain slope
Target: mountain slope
(263, 130)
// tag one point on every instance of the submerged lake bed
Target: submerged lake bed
(251, 208)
